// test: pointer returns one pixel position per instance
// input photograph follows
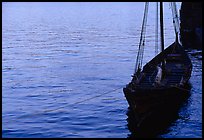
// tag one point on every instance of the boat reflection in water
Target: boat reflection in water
(155, 122)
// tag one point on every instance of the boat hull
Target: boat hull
(143, 100)
(155, 121)
(146, 103)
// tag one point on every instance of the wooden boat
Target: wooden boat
(145, 95)
(162, 83)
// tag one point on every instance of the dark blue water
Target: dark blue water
(58, 59)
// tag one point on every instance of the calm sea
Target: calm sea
(64, 66)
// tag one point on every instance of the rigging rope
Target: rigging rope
(175, 17)
(142, 40)
(78, 102)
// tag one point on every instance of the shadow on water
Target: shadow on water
(157, 121)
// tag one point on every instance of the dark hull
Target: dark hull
(152, 112)
(142, 101)
(146, 99)
(155, 122)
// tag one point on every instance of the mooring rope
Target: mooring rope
(78, 102)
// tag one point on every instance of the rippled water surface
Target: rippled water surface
(60, 60)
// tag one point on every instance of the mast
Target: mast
(156, 29)
(161, 26)
(162, 31)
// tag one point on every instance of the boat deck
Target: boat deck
(172, 76)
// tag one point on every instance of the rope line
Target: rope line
(140, 52)
(78, 102)
(175, 17)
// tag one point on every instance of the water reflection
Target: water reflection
(156, 122)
